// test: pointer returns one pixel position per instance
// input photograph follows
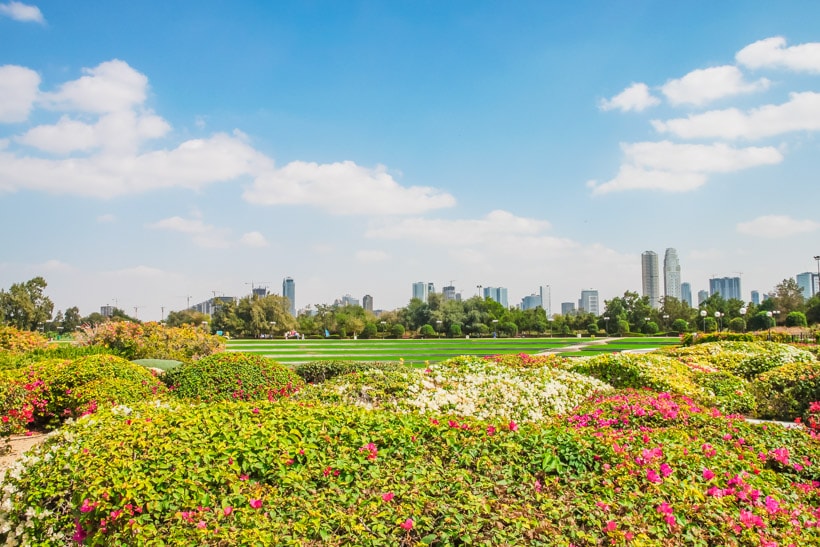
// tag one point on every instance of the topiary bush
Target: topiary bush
(787, 392)
(232, 377)
(315, 372)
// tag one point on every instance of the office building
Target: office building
(209, 307)
(807, 284)
(367, 303)
(671, 274)
(530, 302)
(589, 301)
(107, 311)
(567, 308)
(756, 298)
(431, 289)
(546, 297)
(498, 294)
(289, 292)
(686, 293)
(420, 290)
(348, 300)
(448, 292)
(727, 287)
(702, 296)
(650, 278)
(259, 292)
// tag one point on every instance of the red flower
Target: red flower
(388, 496)
(611, 526)
(407, 524)
(513, 426)
(256, 504)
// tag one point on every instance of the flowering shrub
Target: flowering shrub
(19, 341)
(786, 392)
(16, 412)
(746, 359)
(522, 360)
(634, 467)
(232, 377)
(58, 389)
(320, 371)
(813, 419)
(369, 388)
(152, 340)
(731, 394)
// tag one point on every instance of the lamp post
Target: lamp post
(606, 322)
(478, 287)
(665, 321)
(495, 328)
(769, 315)
(718, 315)
(743, 316)
(384, 328)
(272, 328)
(703, 315)
(438, 327)
(817, 258)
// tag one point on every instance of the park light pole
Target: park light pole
(743, 316)
(495, 328)
(384, 328)
(718, 316)
(606, 322)
(769, 316)
(817, 258)
(665, 321)
(703, 315)
(438, 327)
(272, 328)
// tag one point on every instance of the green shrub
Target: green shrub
(232, 377)
(786, 392)
(397, 331)
(318, 371)
(745, 359)
(732, 395)
(153, 341)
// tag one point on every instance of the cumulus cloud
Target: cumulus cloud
(672, 167)
(706, 85)
(22, 12)
(343, 188)
(253, 239)
(773, 53)
(203, 235)
(800, 113)
(18, 91)
(777, 226)
(634, 98)
(370, 256)
(112, 86)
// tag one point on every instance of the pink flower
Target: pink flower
(227, 511)
(538, 485)
(664, 508)
(651, 476)
(79, 534)
(255, 411)
(708, 474)
(670, 520)
(750, 520)
(388, 496)
(611, 526)
(87, 506)
(665, 470)
(201, 524)
(256, 504)
(243, 477)
(491, 430)
(513, 426)
(772, 505)
(407, 524)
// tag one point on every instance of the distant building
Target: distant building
(727, 287)
(209, 307)
(431, 288)
(530, 302)
(367, 303)
(289, 292)
(686, 293)
(449, 292)
(259, 292)
(546, 299)
(806, 283)
(650, 278)
(107, 311)
(567, 308)
(671, 274)
(498, 294)
(702, 296)
(756, 298)
(589, 301)
(420, 290)
(348, 300)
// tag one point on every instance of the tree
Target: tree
(187, 317)
(737, 324)
(796, 319)
(788, 296)
(680, 325)
(427, 331)
(71, 319)
(760, 321)
(370, 330)
(455, 330)
(650, 327)
(25, 306)
(397, 331)
(813, 310)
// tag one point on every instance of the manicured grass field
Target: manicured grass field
(430, 350)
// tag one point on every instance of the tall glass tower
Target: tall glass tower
(289, 292)
(651, 278)
(671, 274)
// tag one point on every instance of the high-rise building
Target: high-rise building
(210, 306)
(348, 300)
(546, 301)
(448, 292)
(367, 303)
(651, 278)
(530, 302)
(498, 294)
(589, 301)
(431, 288)
(107, 311)
(259, 292)
(756, 298)
(671, 274)
(686, 293)
(702, 296)
(805, 281)
(727, 287)
(289, 292)
(567, 308)
(420, 290)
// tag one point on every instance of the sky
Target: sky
(158, 153)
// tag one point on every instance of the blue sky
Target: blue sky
(155, 151)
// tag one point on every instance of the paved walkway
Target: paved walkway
(577, 347)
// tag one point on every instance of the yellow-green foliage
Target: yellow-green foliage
(20, 341)
(787, 391)
(153, 341)
(744, 359)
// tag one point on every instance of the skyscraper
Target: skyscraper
(727, 287)
(530, 302)
(420, 290)
(702, 296)
(671, 274)
(651, 278)
(546, 297)
(686, 293)
(589, 301)
(756, 298)
(499, 294)
(367, 302)
(289, 292)
(448, 292)
(567, 308)
(805, 281)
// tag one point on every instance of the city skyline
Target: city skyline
(155, 152)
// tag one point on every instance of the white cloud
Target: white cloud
(800, 113)
(777, 226)
(22, 12)
(108, 217)
(112, 86)
(672, 167)
(635, 97)
(773, 53)
(253, 239)
(18, 90)
(705, 85)
(343, 188)
(369, 256)
(203, 235)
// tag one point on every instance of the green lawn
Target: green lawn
(429, 350)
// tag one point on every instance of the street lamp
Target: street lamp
(718, 315)
(817, 258)
(665, 321)
(438, 327)
(479, 290)
(272, 328)
(769, 315)
(384, 328)
(703, 315)
(606, 322)
(743, 316)
(495, 328)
